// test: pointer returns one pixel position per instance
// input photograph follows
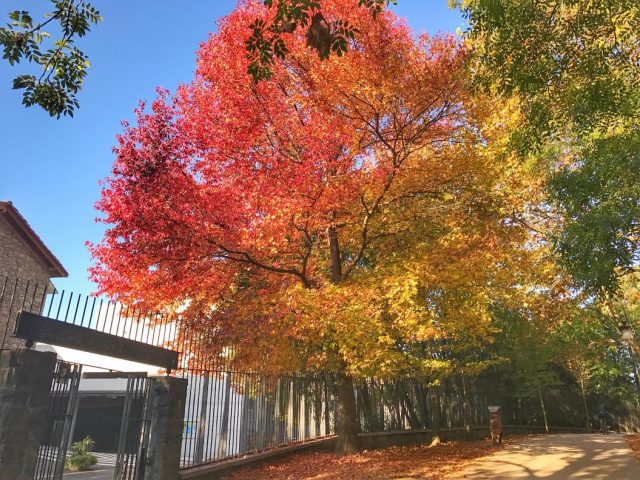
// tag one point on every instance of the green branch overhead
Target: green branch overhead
(63, 66)
(325, 36)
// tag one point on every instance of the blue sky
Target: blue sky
(50, 168)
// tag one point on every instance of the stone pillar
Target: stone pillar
(25, 385)
(165, 435)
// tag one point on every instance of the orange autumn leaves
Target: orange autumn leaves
(223, 199)
(394, 462)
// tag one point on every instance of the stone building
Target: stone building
(26, 268)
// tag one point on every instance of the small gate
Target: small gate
(67, 329)
(59, 424)
(106, 329)
(133, 442)
(133, 437)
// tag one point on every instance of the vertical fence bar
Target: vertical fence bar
(75, 372)
(224, 422)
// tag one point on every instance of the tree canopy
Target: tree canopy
(325, 206)
(369, 214)
(575, 66)
(332, 217)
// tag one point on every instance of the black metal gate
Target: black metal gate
(100, 326)
(133, 437)
(59, 423)
(133, 442)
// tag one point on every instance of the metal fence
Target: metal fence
(235, 413)
(410, 404)
(134, 429)
(58, 424)
(18, 295)
(230, 413)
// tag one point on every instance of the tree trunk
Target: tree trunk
(635, 357)
(435, 414)
(336, 258)
(466, 408)
(586, 408)
(347, 421)
(347, 425)
(544, 410)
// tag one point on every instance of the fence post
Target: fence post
(317, 404)
(276, 415)
(306, 412)
(224, 423)
(165, 435)
(265, 410)
(25, 385)
(202, 422)
(290, 411)
(327, 425)
(244, 417)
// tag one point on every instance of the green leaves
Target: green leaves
(344, 33)
(574, 66)
(600, 199)
(326, 37)
(376, 6)
(63, 66)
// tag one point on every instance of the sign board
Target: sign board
(36, 328)
(494, 409)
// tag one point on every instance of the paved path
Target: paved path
(99, 472)
(555, 457)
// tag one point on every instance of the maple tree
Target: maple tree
(350, 215)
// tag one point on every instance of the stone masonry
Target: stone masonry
(165, 435)
(26, 267)
(25, 381)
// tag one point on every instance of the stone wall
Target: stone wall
(25, 382)
(168, 396)
(23, 280)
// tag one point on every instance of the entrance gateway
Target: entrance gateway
(132, 442)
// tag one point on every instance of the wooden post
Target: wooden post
(496, 424)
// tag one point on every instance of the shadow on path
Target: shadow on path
(555, 457)
(99, 472)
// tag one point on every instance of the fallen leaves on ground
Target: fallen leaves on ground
(634, 443)
(398, 463)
